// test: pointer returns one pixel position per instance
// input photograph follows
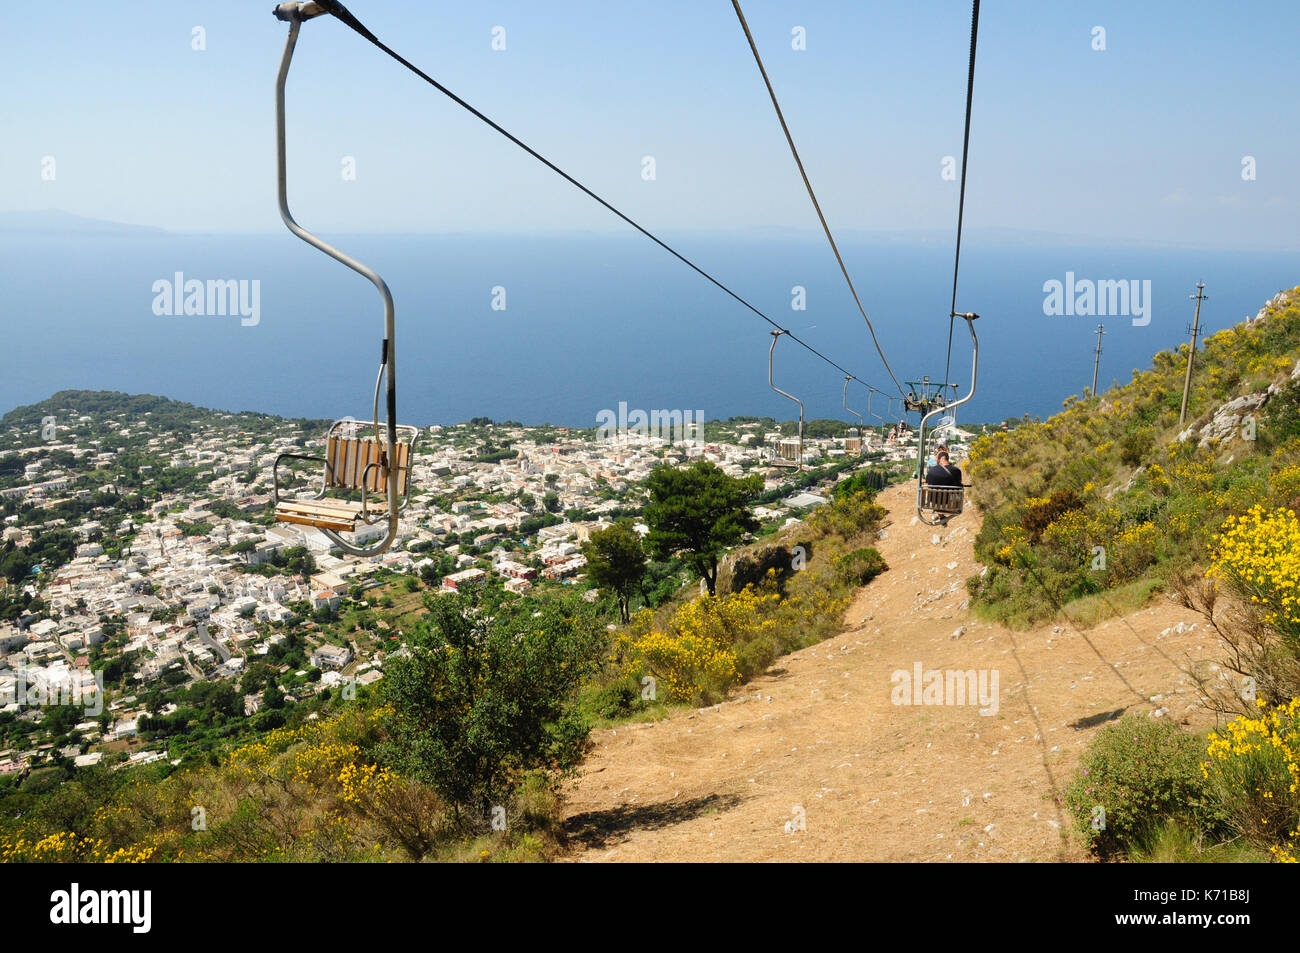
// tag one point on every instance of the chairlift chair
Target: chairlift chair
(366, 478)
(861, 432)
(924, 396)
(870, 413)
(936, 505)
(776, 460)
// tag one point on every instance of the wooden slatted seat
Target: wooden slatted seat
(338, 515)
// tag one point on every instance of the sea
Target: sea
(558, 328)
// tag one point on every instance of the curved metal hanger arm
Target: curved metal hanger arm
(295, 14)
(770, 351)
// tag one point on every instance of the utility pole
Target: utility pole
(1191, 354)
(1101, 329)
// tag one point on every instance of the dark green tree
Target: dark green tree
(485, 697)
(697, 512)
(616, 561)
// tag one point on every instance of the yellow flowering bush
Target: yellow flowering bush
(690, 668)
(1258, 556)
(1014, 544)
(364, 783)
(1284, 484)
(1134, 549)
(1254, 767)
(1068, 534)
(695, 660)
(66, 847)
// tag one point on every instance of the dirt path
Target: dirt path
(818, 738)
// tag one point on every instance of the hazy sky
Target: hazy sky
(1144, 140)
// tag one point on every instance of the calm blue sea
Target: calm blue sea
(588, 322)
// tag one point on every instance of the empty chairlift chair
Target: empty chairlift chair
(855, 440)
(365, 478)
(779, 459)
(356, 467)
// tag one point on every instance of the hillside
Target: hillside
(100, 414)
(818, 737)
(1110, 499)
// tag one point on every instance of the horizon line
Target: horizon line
(1002, 234)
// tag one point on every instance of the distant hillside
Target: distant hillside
(1109, 499)
(21, 426)
(56, 222)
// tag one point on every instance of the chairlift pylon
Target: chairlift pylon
(353, 464)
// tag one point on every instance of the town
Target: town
(148, 582)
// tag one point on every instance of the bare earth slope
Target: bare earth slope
(813, 761)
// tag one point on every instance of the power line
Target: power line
(961, 201)
(812, 195)
(343, 14)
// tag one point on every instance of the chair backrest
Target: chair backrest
(350, 460)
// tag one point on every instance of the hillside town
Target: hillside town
(177, 575)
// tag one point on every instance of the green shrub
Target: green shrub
(1143, 772)
(847, 515)
(616, 699)
(1135, 445)
(1281, 421)
(867, 481)
(484, 699)
(1042, 515)
(861, 566)
(752, 568)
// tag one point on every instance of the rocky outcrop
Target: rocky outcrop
(1276, 303)
(1227, 420)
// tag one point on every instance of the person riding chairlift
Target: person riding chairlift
(943, 473)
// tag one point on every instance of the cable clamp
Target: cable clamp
(300, 10)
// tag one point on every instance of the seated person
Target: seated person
(943, 473)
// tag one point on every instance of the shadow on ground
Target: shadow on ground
(597, 829)
(1092, 721)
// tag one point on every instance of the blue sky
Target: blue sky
(1143, 141)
